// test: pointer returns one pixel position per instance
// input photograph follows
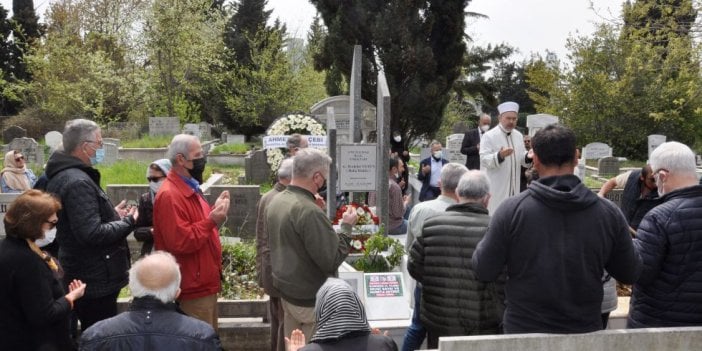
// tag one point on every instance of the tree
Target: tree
(26, 31)
(420, 46)
(10, 101)
(477, 63)
(622, 88)
(249, 17)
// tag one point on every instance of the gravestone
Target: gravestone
(384, 295)
(460, 127)
(53, 139)
(608, 167)
(653, 141)
(355, 91)
(5, 201)
(192, 129)
(257, 169)
(357, 167)
(241, 220)
(235, 139)
(452, 151)
(126, 130)
(12, 133)
(113, 141)
(33, 153)
(164, 126)
(129, 193)
(341, 104)
(535, 122)
(383, 129)
(111, 153)
(594, 151)
(205, 131)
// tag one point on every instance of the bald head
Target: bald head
(156, 275)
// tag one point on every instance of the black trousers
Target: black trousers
(91, 311)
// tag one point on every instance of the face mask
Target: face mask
(397, 138)
(485, 127)
(99, 156)
(198, 169)
(48, 238)
(437, 154)
(154, 186)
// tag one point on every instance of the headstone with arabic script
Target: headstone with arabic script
(453, 149)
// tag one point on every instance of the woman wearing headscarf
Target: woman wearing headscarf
(34, 307)
(15, 177)
(155, 174)
(341, 323)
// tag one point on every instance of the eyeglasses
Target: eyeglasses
(154, 179)
(52, 224)
(20, 158)
(99, 143)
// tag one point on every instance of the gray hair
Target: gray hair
(294, 141)
(76, 132)
(450, 176)
(180, 144)
(157, 265)
(675, 157)
(473, 186)
(286, 169)
(434, 142)
(309, 161)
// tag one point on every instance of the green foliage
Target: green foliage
(147, 141)
(627, 82)
(373, 259)
(224, 149)
(248, 19)
(239, 272)
(130, 172)
(419, 44)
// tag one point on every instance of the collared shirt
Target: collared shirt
(435, 171)
(191, 183)
(420, 212)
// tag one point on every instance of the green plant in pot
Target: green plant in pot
(373, 260)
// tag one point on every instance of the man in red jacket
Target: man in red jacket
(186, 226)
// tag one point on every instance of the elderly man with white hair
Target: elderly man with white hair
(669, 241)
(454, 302)
(502, 154)
(153, 321)
(305, 249)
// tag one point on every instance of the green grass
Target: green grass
(131, 172)
(147, 142)
(230, 149)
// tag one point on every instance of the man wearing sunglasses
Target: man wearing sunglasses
(91, 231)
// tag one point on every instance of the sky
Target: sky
(532, 26)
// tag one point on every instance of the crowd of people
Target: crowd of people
(488, 256)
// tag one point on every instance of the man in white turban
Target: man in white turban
(502, 154)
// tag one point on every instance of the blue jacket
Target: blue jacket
(150, 325)
(669, 240)
(426, 178)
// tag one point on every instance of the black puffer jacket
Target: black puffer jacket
(668, 292)
(454, 302)
(91, 236)
(150, 325)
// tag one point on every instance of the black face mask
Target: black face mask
(322, 188)
(198, 169)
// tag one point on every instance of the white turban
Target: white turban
(508, 106)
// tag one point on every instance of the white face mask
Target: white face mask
(397, 138)
(154, 186)
(485, 127)
(48, 238)
(437, 154)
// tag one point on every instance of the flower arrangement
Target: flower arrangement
(365, 216)
(287, 125)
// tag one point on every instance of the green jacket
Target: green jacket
(305, 249)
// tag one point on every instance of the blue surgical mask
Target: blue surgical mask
(99, 156)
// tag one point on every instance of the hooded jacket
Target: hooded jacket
(555, 240)
(91, 236)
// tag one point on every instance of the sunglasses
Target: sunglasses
(52, 224)
(154, 179)
(17, 159)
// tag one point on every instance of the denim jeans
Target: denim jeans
(415, 332)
